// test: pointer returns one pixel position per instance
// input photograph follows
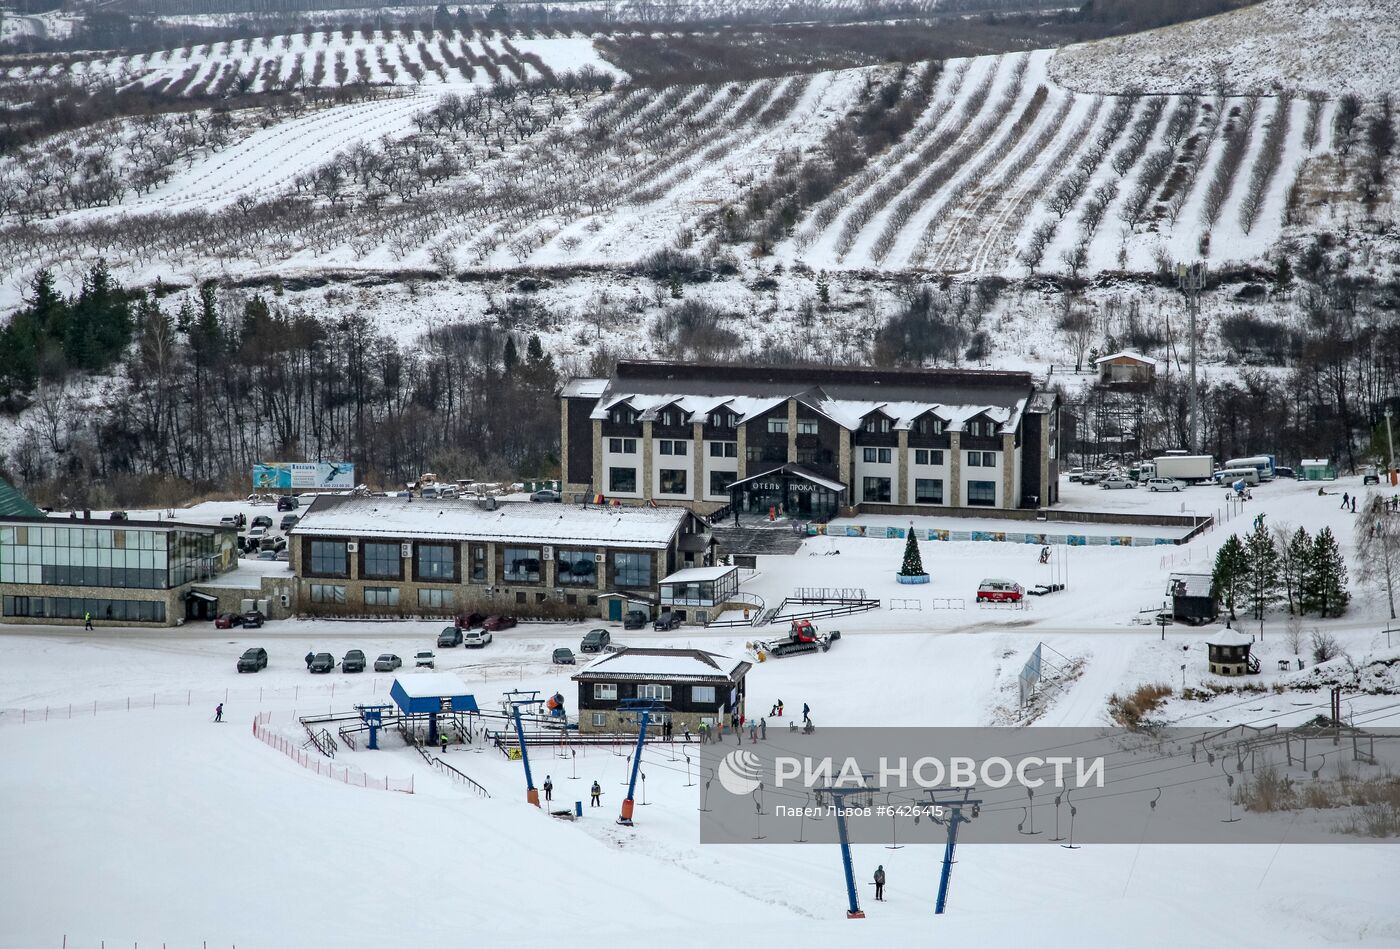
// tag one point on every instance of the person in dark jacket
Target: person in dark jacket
(596, 792)
(548, 789)
(219, 712)
(806, 714)
(880, 883)
(309, 657)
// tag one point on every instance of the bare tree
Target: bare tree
(1378, 549)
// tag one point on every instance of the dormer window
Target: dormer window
(930, 425)
(874, 425)
(624, 416)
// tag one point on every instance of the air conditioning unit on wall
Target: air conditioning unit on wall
(405, 551)
(352, 546)
(599, 558)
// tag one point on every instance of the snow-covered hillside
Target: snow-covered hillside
(1327, 46)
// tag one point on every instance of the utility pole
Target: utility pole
(1191, 279)
(1390, 437)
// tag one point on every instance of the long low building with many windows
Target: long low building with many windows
(814, 442)
(116, 572)
(409, 557)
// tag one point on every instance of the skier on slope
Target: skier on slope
(219, 712)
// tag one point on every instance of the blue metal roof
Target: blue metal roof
(431, 692)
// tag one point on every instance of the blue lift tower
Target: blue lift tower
(644, 709)
(519, 699)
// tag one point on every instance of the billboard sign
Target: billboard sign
(290, 475)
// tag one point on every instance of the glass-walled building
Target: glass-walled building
(69, 570)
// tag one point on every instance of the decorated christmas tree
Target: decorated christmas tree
(913, 565)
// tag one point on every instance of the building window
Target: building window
(930, 426)
(436, 599)
(436, 561)
(381, 596)
(478, 561)
(672, 447)
(777, 426)
(702, 694)
(382, 560)
(605, 691)
(654, 692)
(806, 426)
(881, 456)
(522, 564)
(981, 459)
(874, 425)
(876, 489)
(632, 570)
(327, 593)
(672, 481)
(76, 607)
(97, 557)
(982, 493)
(928, 456)
(520, 598)
(721, 480)
(624, 416)
(576, 568)
(600, 719)
(928, 490)
(724, 449)
(622, 479)
(622, 446)
(328, 558)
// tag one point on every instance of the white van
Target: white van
(1228, 476)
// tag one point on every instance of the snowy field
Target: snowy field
(176, 830)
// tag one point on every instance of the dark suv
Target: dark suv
(450, 636)
(354, 661)
(635, 619)
(666, 620)
(286, 503)
(253, 619)
(322, 662)
(595, 640)
(252, 659)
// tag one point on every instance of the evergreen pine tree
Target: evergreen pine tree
(510, 357)
(823, 289)
(1330, 574)
(913, 565)
(1300, 554)
(1262, 569)
(676, 291)
(1228, 579)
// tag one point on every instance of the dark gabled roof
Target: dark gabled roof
(14, 504)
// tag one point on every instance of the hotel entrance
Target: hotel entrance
(790, 490)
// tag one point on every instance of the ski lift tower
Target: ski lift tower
(373, 717)
(644, 709)
(955, 817)
(519, 699)
(838, 800)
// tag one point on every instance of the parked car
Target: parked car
(999, 591)
(563, 656)
(354, 661)
(1369, 475)
(267, 555)
(1076, 474)
(498, 623)
(255, 536)
(288, 522)
(425, 657)
(1117, 481)
(476, 638)
(287, 504)
(227, 621)
(1163, 484)
(666, 620)
(387, 662)
(450, 636)
(253, 619)
(547, 495)
(635, 619)
(468, 620)
(322, 662)
(253, 659)
(595, 640)
(1283, 471)
(284, 555)
(232, 520)
(1093, 475)
(263, 521)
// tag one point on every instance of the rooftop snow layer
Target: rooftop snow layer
(698, 574)
(464, 520)
(630, 662)
(428, 685)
